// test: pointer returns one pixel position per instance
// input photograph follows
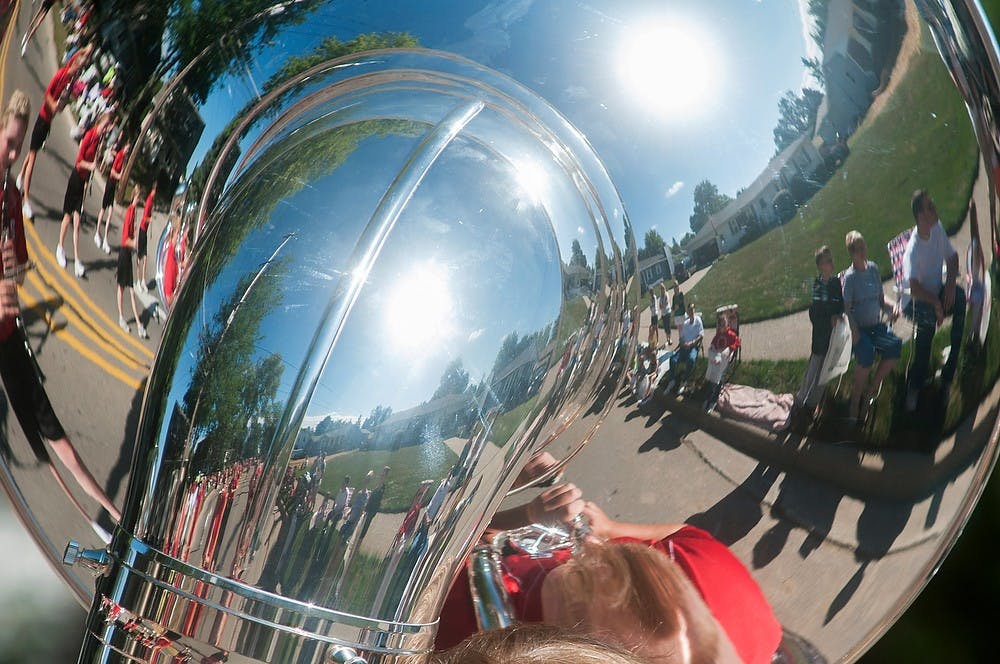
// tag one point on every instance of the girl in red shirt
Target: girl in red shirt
(86, 161)
(123, 275)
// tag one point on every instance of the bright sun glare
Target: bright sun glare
(422, 304)
(671, 68)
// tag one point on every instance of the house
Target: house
(851, 67)
(653, 270)
(756, 204)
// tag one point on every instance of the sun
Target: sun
(423, 306)
(671, 68)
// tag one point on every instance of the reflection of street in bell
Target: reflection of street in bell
(18, 369)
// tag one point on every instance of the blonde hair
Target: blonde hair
(823, 252)
(534, 644)
(18, 107)
(853, 240)
(643, 588)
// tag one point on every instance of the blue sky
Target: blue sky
(569, 53)
(668, 94)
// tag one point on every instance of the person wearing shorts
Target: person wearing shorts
(18, 371)
(664, 305)
(55, 98)
(123, 273)
(108, 203)
(865, 303)
(36, 22)
(86, 161)
(141, 245)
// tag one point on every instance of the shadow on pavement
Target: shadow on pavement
(732, 518)
(119, 472)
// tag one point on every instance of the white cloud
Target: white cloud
(475, 334)
(674, 188)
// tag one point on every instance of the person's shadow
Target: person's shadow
(732, 518)
(126, 449)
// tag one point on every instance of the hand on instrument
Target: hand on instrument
(560, 504)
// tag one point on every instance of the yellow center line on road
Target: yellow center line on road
(11, 29)
(63, 335)
(111, 349)
(91, 307)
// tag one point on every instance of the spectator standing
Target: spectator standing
(679, 308)
(931, 298)
(825, 313)
(654, 321)
(664, 306)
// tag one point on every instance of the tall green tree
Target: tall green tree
(796, 116)
(454, 380)
(218, 36)
(708, 200)
(577, 258)
(654, 245)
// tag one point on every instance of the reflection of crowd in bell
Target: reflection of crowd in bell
(851, 318)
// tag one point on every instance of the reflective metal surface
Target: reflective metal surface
(395, 251)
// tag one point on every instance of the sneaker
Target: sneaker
(106, 247)
(97, 239)
(78, 269)
(142, 332)
(19, 183)
(122, 324)
(27, 211)
(61, 256)
(912, 395)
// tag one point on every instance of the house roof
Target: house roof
(749, 195)
(649, 262)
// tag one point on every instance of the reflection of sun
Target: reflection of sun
(672, 68)
(420, 309)
(532, 179)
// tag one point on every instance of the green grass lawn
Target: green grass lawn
(410, 466)
(922, 139)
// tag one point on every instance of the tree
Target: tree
(796, 116)
(654, 245)
(455, 380)
(220, 36)
(707, 201)
(818, 11)
(577, 258)
(815, 67)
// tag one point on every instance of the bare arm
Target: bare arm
(604, 527)
(558, 504)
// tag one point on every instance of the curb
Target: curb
(893, 475)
